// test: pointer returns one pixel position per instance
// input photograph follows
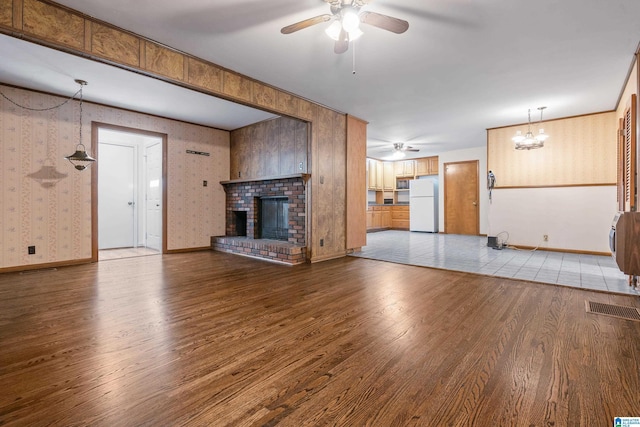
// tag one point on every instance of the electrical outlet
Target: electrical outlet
(31, 250)
(545, 238)
(204, 183)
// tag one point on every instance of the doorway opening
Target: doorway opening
(130, 193)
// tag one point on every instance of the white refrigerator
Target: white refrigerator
(423, 205)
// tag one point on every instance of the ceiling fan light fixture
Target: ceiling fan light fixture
(397, 155)
(333, 30)
(350, 20)
(355, 34)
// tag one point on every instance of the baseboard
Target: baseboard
(46, 265)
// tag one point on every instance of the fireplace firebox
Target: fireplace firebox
(240, 222)
(274, 218)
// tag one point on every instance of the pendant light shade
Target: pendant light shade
(80, 159)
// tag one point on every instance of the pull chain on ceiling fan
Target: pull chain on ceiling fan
(347, 18)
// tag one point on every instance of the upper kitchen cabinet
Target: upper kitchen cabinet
(427, 166)
(372, 174)
(268, 149)
(404, 168)
(389, 179)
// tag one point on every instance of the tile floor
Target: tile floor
(471, 254)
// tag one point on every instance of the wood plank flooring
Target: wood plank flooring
(209, 338)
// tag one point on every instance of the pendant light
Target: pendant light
(528, 141)
(80, 159)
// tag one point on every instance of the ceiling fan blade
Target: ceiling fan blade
(415, 150)
(385, 22)
(305, 24)
(342, 44)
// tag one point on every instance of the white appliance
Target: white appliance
(423, 205)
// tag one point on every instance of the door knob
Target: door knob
(131, 203)
(475, 204)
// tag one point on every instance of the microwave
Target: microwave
(402, 184)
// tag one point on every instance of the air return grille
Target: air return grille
(619, 311)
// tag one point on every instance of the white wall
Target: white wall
(480, 154)
(574, 218)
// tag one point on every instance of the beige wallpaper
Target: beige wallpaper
(56, 217)
(580, 151)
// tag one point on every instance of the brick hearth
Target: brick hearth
(245, 196)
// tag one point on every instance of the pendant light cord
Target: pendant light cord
(48, 108)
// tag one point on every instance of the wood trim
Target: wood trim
(620, 166)
(629, 154)
(144, 67)
(200, 249)
(571, 251)
(18, 6)
(509, 187)
(95, 126)
(46, 265)
(356, 208)
(553, 120)
(304, 176)
(94, 192)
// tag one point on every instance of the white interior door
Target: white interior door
(116, 196)
(153, 220)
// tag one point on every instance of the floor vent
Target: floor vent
(619, 311)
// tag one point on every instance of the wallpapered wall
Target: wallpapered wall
(579, 151)
(57, 218)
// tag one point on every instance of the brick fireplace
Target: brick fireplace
(281, 203)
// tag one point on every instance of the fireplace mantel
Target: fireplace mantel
(305, 177)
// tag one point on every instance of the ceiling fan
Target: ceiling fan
(399, 146)
(346, 16)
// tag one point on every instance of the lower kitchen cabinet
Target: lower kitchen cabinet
(381, 217)
(400, 217)
(378, 217)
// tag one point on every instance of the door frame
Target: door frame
(95, 126)
(477, 191)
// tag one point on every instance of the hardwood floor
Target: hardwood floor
(209, 338)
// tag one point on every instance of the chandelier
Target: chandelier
(528, 141)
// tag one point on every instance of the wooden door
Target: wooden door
(461, 202)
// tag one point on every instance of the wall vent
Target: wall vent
(619, 311)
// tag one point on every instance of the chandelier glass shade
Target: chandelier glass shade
(529, 141)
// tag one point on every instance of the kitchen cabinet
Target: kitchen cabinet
(404, 168)
(400, 217)
(379, 175)
(379, 217)
(427, 166)
(372, 178)
(388, 178)
(386, 217)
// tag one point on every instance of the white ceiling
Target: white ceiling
(462, 67)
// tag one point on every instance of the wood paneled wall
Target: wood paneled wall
(268, 149)
(580, 151)
(356, 182)
(61, 28)
(328, 186)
